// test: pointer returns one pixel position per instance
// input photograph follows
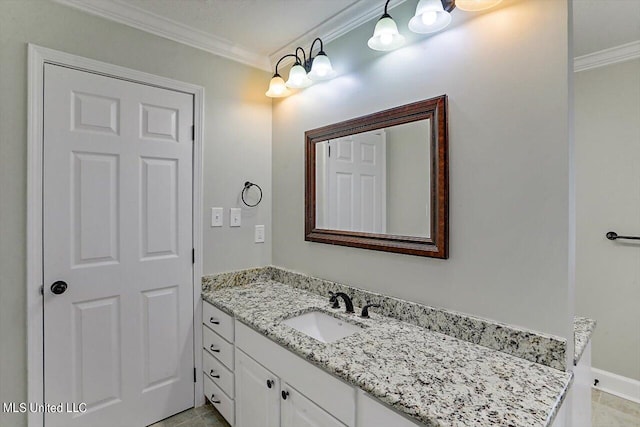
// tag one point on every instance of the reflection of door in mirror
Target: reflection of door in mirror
(351, 183)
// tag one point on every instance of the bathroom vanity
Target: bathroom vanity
(262, 371)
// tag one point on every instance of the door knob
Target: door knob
(59, 287)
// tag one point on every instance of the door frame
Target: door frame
(38, 56)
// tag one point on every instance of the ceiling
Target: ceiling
(259, 32)
(263, 26)
(602, 24)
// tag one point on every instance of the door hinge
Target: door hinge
(193, 132)
(329, 151)
(194, 375)
(41, 290)
(193, 256)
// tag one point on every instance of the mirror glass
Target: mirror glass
(377, 181)
(381, 181)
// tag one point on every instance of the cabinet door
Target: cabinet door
(298, 411)
(257, 404)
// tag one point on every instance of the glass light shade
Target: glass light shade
(386, 36)
(298, 78)
(321, 68)
(277, 88)
(430, 17)
(476, 5)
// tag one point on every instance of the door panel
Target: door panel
(96, 353)
(161, 336)
(159, 200)
(257, 404)
(97, 113)
(95, 198)
(118, 231)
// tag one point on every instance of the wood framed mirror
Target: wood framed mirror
(381, 181)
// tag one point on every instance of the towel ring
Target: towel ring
(247, 186)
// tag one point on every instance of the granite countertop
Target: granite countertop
(435, 378)
(583, 328)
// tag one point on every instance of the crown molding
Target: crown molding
(120, 11)
(601, 58)
(338, 25)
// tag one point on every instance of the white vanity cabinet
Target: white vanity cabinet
(274, 388)
(218, 360)
(264, 401)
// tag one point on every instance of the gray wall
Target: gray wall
(506, 75)
(408, 179)
(237, 147)
(607, 114)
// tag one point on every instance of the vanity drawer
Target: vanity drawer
(217, 320)
(223, 403)
(214, 368)
(218, 347)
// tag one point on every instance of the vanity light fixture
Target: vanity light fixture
(386, 36)
(476, 5)
(430, 17)
(304, 72)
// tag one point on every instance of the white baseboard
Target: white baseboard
(626, 388)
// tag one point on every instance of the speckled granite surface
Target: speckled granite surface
(582, 332)
(434, 378)
(530, 345)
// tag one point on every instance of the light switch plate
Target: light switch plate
(259, 234)
(235, 217)
(217, 217)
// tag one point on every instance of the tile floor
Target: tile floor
(203, 416)
(607, 411)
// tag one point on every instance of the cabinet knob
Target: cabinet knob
(213, 399)
(212, 374)
(269, 383)
(212, 320)
(285, 394)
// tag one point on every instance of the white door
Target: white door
(118, 233)
(357, 182)
(298, 411)
(257, 394)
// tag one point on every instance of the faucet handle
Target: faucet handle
(334, 300)
(365, 310)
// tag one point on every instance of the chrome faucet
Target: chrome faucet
(347, 301)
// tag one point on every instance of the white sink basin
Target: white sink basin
(321, 326)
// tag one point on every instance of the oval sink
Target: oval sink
(321, 326)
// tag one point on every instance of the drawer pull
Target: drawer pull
(212, 348)
(212, 374)
(269, 383)
(285, 394)
(213, 396)
(215, 322)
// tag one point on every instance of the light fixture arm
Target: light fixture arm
(304, 58)
(386, 5)
(318, 39)
(285, 56)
